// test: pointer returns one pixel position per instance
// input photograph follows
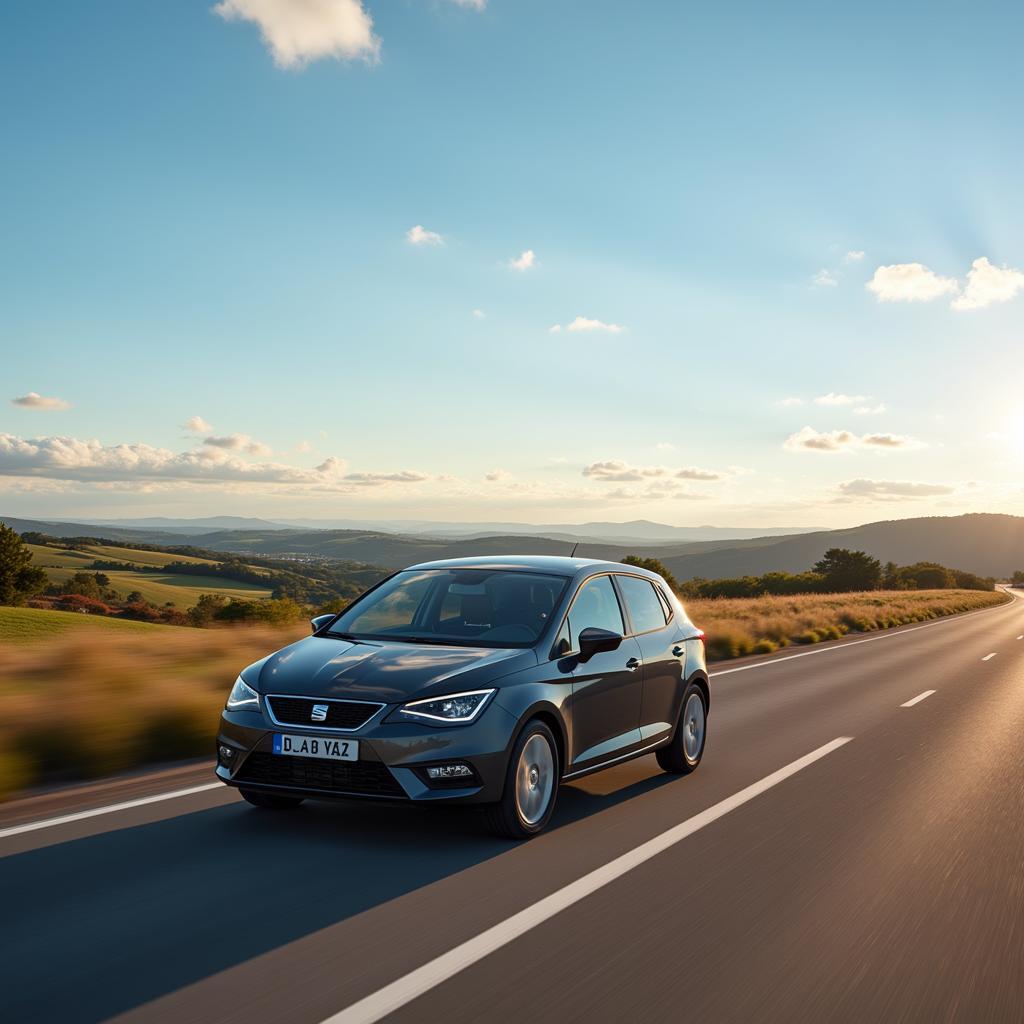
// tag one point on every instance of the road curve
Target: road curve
(852, 848)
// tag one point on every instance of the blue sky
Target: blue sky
(206, 212)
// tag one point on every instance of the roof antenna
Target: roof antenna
(574, 547)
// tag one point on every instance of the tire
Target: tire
(269, 801)
(683, 753)
(531, 785)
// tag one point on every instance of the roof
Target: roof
(560, 564)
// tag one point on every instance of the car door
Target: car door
(662, 651)
(607, 688)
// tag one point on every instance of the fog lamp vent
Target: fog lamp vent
(449, 771)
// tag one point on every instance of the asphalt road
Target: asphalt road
(880, 879)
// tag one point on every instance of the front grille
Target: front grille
(366, 778)
(341, 714)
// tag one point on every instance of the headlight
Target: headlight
(243, 697)
(453, 709)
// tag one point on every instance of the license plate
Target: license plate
(316, 746)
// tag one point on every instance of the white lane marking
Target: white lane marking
(989, 657)
(64, 819)
(397, 994)
(849, 643)
(917, 700)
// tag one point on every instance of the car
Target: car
(473, 681)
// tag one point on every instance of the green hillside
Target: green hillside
(24, 625)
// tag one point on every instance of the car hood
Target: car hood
(381, 671)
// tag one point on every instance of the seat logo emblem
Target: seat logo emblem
(319, 713)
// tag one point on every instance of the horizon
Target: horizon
(301, 270)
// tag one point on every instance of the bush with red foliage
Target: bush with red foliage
(81, 603)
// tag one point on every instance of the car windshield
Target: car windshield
(461, 607)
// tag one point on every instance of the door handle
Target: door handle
(633, 664)
(678, 651)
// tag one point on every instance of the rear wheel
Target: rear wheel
(683, 754)
(531, 785)
(270, 801)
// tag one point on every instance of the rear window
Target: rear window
(645, 607)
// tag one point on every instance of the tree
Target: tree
(845, 570)
(1017, 579)
(19, 579)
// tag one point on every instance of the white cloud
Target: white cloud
(665, 446)
(419, 235)
(618, 471)
(479, 314)
(299, 31)
(870, 410)
(833, 399)
(854, 256)
(810, 440)
(239, 443)
(909, 282)
(196, 425)
(34, 400)
(136, 464)
(825, 278)
(582, 323)
(788, 402)
(891, 489)
(988, 284)
(524, 261)
(496, 475)
(476, 5)
(304, 446)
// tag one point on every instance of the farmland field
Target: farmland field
(25, 625)
(71, 558)
(159, 588)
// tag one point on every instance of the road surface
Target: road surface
(852, 848)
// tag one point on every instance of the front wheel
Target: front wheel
(683, 754)
(269, 801)
(531, 785)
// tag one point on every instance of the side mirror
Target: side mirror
(318, 622)
(594, 641)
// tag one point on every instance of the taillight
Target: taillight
(700, 636)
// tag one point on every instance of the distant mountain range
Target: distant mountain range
(639, 530)
(992, 545)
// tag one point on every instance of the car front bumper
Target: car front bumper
(392, 759)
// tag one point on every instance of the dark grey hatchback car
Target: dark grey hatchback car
(484, 681)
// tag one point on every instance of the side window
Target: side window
(595, 605)
(666, 607)
(645, 608)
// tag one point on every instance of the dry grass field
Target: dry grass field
(758, 625)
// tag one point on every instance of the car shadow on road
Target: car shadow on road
(132, 914)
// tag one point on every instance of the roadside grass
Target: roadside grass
(161, 588)
(736, 627)
(102, 696)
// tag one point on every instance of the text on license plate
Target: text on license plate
(316, 746)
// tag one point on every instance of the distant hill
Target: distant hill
(991, 545)
(192, 526)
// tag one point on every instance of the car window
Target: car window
(595, 605)
(642, 600)
(666, 607)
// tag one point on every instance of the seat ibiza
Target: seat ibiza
(477, 681)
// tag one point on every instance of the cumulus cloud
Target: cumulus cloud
(811, 440)
(524, 261)
(34, 400)
(300, 31)
(825, 278)
(479, 314)
(196, 425)
(239, 443)
(988, 284)
(891, 489)
(136, 464)
(870, 410)
(476, 5)
(419, 235)
(582, 323)
(909, 282)
(618, 471)
(854, 256)
(496, 475)
(833, 399)
(788, 402)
